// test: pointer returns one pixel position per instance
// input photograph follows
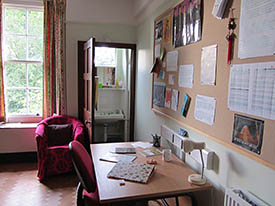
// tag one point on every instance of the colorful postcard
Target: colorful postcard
(168, 96)
(167, 29)
(248, 133)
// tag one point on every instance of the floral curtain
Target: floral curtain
(2, 102)
(54, 97)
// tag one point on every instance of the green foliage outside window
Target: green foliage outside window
(23, 35)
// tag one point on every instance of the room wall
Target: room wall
(231, 168)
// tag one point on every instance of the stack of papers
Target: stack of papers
(150, 152)
(125, 150)
(142, 144)
(111, 157)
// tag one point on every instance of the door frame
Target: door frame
(132, 79)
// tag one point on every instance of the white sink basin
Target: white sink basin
(114, 115)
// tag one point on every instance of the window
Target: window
(105, 57)
(23, 61)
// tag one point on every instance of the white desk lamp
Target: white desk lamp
(189, 146)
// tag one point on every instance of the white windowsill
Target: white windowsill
(18, 125)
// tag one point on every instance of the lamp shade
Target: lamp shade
(189, 145)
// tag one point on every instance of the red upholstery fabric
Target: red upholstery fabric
(85, 170)
(55, 159)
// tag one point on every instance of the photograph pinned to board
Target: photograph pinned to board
(205, 108)
(174, 101)
(167, 29)
(187, 23)
(168, 96)
(159, 31)
(186, 104)
(186, 76)
(248, 133)
(159, 94)
(208, 65)
(171, 79)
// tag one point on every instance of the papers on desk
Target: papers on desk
(133, 171)
(125, 150)
(111, 157)
(143, 145)
(150, 152)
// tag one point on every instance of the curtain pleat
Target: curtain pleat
(54, 96)
(2, 100)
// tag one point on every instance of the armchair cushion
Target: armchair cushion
(59, 134)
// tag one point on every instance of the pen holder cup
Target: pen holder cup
(156, 140)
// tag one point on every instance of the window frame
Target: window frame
(27, 117)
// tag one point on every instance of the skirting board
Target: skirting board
(177, 141)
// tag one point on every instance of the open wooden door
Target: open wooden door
(89, 86)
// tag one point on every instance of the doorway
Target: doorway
(112, 94)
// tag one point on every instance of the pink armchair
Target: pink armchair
(53, 136)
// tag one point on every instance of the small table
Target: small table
(170, 179)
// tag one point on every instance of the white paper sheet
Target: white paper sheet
(143, 145)
(171, 79)
(172, 61)
(252, 89)
(157, 50)
(186, 76)
(205, 108)
(174, 102)
(257, 28)
(208, 65)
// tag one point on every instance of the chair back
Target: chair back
(83, 165)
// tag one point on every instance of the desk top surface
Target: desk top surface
(169, 178)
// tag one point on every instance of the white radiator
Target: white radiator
(237, 197)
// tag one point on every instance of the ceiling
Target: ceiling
(130, 12)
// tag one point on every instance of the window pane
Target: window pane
(15, 21)
(35, 48)
(35, 75)
(16, 101)
(35, 101)
(35, 19)
(105, 56)
(15, 74)
(15, 47)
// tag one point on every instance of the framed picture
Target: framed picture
(248, 133)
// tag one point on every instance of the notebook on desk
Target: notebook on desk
(133, 171)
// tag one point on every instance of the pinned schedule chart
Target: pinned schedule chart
(252, 89)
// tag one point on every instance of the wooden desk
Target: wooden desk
(168, 180)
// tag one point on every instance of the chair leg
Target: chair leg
(79, 195)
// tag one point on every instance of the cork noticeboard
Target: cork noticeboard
(213, 32)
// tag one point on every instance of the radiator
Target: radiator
(238, 197)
